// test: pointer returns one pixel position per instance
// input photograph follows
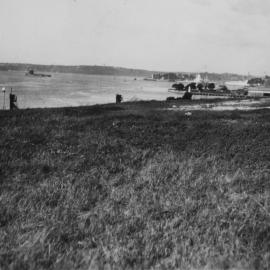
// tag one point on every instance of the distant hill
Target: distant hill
(95, 70)
(109, 70)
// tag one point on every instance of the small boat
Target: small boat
(31, 72)
(150, 79)
(236, 85)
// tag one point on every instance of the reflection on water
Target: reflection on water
(78, 89)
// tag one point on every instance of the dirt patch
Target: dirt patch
(243, 105)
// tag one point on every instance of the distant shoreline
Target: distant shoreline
(109, 70)
(81, 69)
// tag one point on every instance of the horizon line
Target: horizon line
(132, 68)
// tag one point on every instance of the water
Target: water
(78, 89)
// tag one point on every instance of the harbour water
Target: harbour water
(63, 89)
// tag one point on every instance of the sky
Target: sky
(165, 35)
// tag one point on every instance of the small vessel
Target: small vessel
(198, 84)
(236, 85)
(150, 79)
(203, 88)
(261, 89)
(31, 72)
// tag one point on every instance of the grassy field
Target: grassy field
(131, 186)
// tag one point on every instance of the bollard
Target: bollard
(12, 101)
(118, 98)
(4, 91)
(187, 95)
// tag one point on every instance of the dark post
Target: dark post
(12, 101)
(4, 91)
(118, 98)
(187, 95)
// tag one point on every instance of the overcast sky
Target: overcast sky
(172, 35)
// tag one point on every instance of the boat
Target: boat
(31, 72)
(236, 85)
(150, 79)
(203, 88)
(262, 89)
(198, 84)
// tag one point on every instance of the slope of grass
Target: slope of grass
(130, 186)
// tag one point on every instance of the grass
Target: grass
(133, 187)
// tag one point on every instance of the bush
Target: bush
(211, 86)
(178, 86)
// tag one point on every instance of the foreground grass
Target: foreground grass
(130, 186)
